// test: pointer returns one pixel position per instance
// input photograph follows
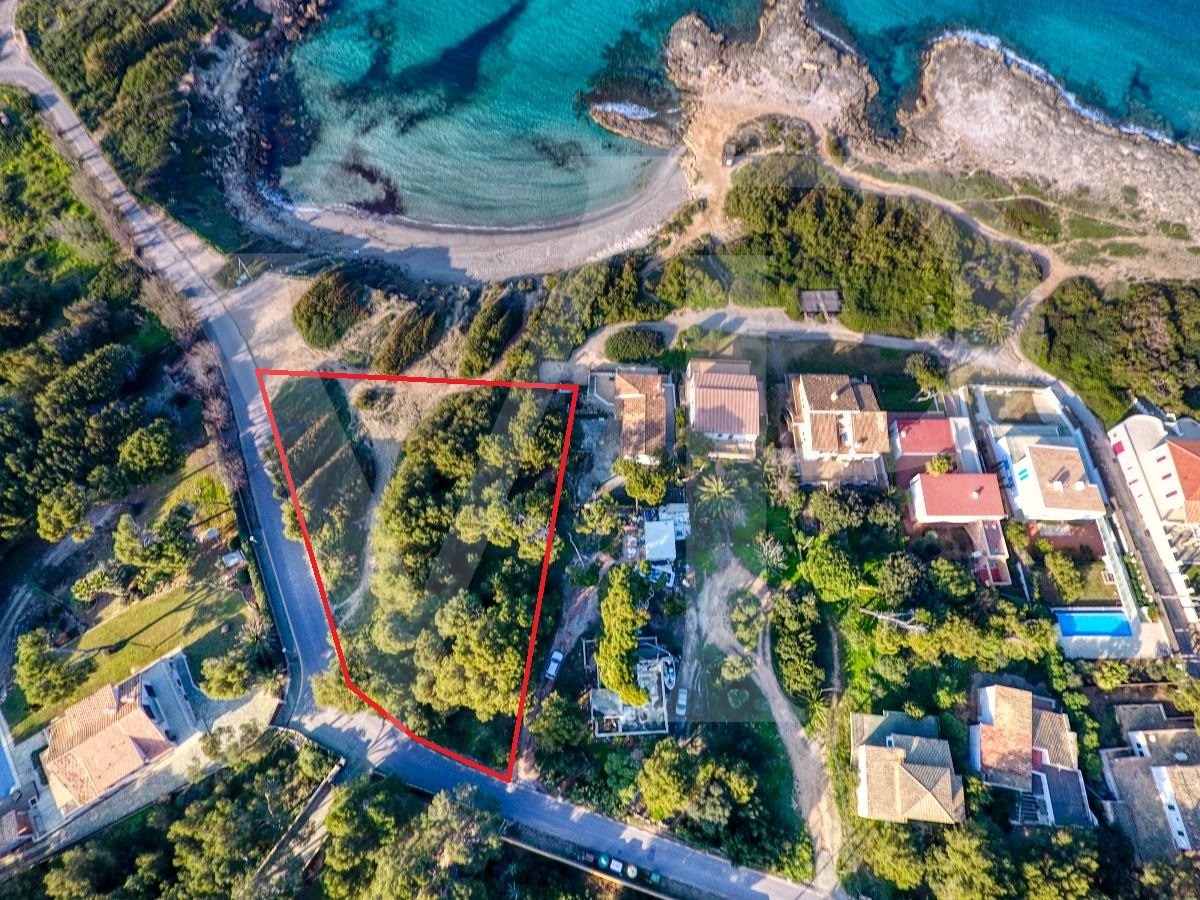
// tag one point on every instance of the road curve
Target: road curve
(179, 256)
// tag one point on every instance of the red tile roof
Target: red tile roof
(99, 742)
(1186, 456)
(924, 436)
(961, 494)
(725, 397)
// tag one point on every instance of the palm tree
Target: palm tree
(719, 498)
(995, 328)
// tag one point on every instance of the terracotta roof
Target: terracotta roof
(924, 436)
(724, 397)
(829, 393)
(842, 414)
(1006, 743)
(1186, 456)
(911, 780)
(1053, 736)
(1062, 478)
(642, 411)
(958, 494)
(99, 742)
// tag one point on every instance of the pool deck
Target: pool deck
(1148, 641)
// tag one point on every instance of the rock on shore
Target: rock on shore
(653, 129)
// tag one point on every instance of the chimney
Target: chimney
(1080, 484)
(1058, 485)
(977, 493)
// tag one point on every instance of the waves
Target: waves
(1039, 73)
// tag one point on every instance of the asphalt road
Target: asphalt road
(180, 257)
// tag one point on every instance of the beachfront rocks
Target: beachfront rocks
(653, 131)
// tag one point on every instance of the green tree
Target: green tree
(927, 371)
(444, 852)
(1110, 674)
(228, 676)
(1066, 578)
(667, 779)
(151, 451)
(951, 579)
(717, 496)
(899, 577)
(837, 510)
(891, 851)
(129, 543)
(967, 865)
(43, 674)
(646, 484)
(621, 616)
(995, 327)
(940, 464)
(1063, 864)
(61, 512)
(559, 724)
(598, 516)
(831, 572)
(328, 309)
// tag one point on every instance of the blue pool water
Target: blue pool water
(8, 780)
(1134, 61)
(1096, 623)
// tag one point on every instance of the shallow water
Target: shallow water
(468, 113)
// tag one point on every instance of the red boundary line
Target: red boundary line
(507, 775)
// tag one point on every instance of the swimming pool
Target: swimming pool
(1093, 623)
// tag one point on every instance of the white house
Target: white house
(724, 403)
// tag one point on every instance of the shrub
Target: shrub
(151, 451)
(493, 327)
(412, 335)
(634, 345)
(327, 310)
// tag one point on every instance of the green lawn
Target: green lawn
(189, 616)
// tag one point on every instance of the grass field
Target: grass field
(187, 616)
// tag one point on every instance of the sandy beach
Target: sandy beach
(453, 252)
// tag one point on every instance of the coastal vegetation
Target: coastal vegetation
(333, 471)
(1115, 345)
(459, 541)
(902, 266)
(495, 324)
(411, 335)
(121, 65)
(328, 309)
(77, 347)
(635, 345)
(449, 846)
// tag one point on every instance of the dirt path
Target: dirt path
(708, 621)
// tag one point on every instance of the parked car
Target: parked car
(556, 659)
(617, 867)
(604, 860)
(668, 673)
(681, 704)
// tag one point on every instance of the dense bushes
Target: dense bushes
(458, 543)
(634, 345)
(327, 310)
(498, 319)
(411, 336)
(1112, 348)
(69, 377)
(903, 267)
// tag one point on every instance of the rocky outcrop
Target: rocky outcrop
(791, 62)
(656, 130)
(294, 17)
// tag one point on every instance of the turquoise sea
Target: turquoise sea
(472, 112)
(467, 112)
(1134, 61)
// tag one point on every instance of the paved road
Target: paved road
(179, 256)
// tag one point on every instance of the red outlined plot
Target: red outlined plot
(573, 389)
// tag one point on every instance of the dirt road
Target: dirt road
(708, 622)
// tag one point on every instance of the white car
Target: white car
(556, 659)
(681, 704)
